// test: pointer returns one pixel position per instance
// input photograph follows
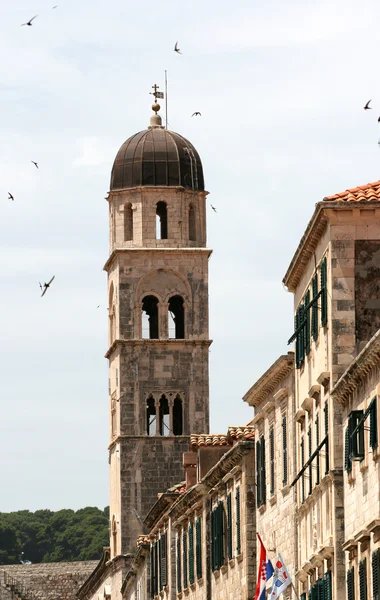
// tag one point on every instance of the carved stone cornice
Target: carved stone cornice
(144, 250)
(161, 342)
(270, 380)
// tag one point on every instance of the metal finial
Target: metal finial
(155, 120)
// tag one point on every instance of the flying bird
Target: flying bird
(98, 306)
(35, 164)
(378, 120)
(45, 286)
(10, 197)
(213, 207)
(367, 106)
(29, 23)
(176, 49)
(195, 114)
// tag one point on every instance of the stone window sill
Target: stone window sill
(273, 499)
(262, 508)
(239, 557)
(224, 568)
(216, 573)
(285, 489)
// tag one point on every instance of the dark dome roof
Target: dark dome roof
(157, 157)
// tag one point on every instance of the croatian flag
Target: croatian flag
(281, 579)
(264, 572)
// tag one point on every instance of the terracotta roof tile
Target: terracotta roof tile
(368, 192)
(247, 432)
(143, 540)
(209, 439)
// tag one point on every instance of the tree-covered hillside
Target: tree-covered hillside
(47, 536)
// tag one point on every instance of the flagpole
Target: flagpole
(295, 591)
(166, 99)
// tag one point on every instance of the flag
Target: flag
(281, 579)
(264, 572)
(159, 94)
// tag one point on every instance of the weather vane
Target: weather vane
(157, 94)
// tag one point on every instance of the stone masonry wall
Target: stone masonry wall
(51, 581)
(367, 289)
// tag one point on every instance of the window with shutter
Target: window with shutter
(191, 553)
(156, 569)
(373, 424)
(326, 412)
(152, 571)
(314, 309)
(375, 574)
(327, 586)
(317, 440)
(303, 596)
(163, 561)
(302, 476)
(309, 596)
(297, 335)
(184, 558)
(198, 547)
(284, 451)
(307, 323)
(324, 291)
(262, 470)
(220, 534)
(351, 584)
(229, 527)
(319, 590)
(179, 576)
(238, 534)
(258, 474)
(213, 546)
(271, 451)
(347, 452)
(309, 439)
(363, 579)
(302, 333)
(356, 434)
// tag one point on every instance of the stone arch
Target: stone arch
(176, 317)
(128, 222)
(161, 220)
(150, 317)
(192, 223)
(163, 283)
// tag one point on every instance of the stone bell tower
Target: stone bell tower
(158, 321)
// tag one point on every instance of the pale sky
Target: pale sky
(281, 88)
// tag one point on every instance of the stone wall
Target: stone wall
(367, 292)
(50, 581)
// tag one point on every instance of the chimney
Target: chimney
(190, 466)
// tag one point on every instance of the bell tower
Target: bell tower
(158, 321)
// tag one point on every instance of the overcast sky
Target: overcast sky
(281, 88)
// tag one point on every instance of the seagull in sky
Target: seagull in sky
(35, 164)
(367, 106)
(196, 114)
(29, 23)
(45, 286)
(176, 49)
(10, 197)
(213, 207)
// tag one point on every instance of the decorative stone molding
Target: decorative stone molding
(324, 378)
(257, 418)
(307, 404)
(374, 526)
(327, 551)
(281, 394)
(300, 415)
(270, 380)
(315, 391)
(350, 545)
(362, 536)
(268, 407)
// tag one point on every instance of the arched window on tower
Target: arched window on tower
(192, 225)
(161, 221)
(150, 318)
(177, 416)
(128, 222)
(151, 425)
(111, 315)
(164, 416)
(114, 535)
(176, 318)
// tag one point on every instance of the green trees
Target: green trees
(47, 536)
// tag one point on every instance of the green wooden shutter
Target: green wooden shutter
(296, 325)
(302, 476)
(220, 534)
(191, 553)
(373, 436)
(156, 568)
(307, 323)
(152, 571)
(356, 439)
(258, 474)
(324, 291)
(303, 596)
(213, 561)
(184, 558)
(319, 590)
(327, 586)
(314, 309)
(198, 547)
(302, 333)
(309, 596)
(238, 533)
(263, 474)
(309, 438)
(317, 440)
(271, 451)
(375, 575)
(284, 452)
(351, 585)
(327, 457)
(179, 576)
(363, 579)
(229, 527)
(347, 459)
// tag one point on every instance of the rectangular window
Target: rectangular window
(317, 440)
(217, 535)
(260, 472)
(198, 547)
(258, 478)
(375, 575)
(284, 452)
(351, 584)
(184, 559)
(307, 322)
(271, 450)
(327, 586)
(300, 336)
(347, 459)
(163, 561)
(356, 435)
(324, 292)
(363, 579)
(309, 439)
(179, 576)
(302, 476)
(314, 310)
(191, 554)
(238, 534)
(326, 412)
(373, 435)
(229, 527)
